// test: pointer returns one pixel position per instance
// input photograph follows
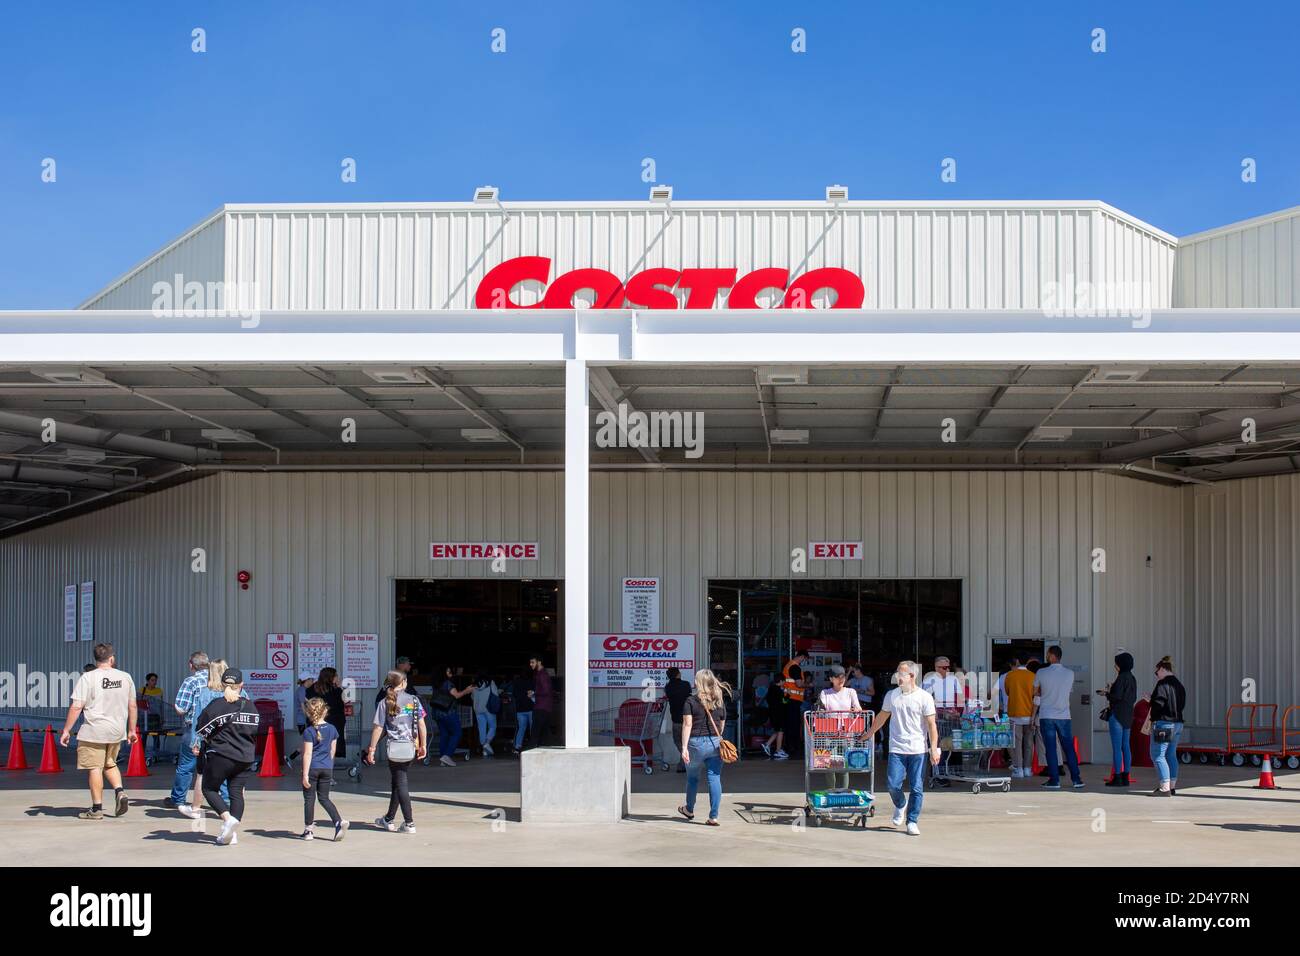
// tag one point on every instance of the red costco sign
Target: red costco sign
(654, 288)
(483, 550)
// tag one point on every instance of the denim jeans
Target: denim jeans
(184, 777)
(909, 767)
(448, 733)
(1164, 756)
(705, 755)
(524, 719)
(487, 727)
(1121, 755)
(1062, 730)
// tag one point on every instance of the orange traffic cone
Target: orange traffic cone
(1037, 766)
(1266, 775)
(270, 758)
(50, 753)
(17, 756)
(136, 766)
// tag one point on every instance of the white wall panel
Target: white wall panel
(1253, 264)
(198, 256)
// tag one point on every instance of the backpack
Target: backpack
(494, 703)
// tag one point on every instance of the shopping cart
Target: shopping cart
(839, 742)
(633, 724)
(968, 741)
(157, 715)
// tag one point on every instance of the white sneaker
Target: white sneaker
(408, 827)
(227, 834)
(234, 839)
(185, 810)
(780, 755)
(446, 761)
(899, 815)
(383, 824)
(767, 748)
(488, 751)
(913, 830)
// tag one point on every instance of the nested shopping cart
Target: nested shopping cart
(633, 724)
(968, 742)
(839, 743)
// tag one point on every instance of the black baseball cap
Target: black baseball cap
(232, 675)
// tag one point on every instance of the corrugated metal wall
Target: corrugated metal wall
(1250, 265)
(1243, 583)
(922, 258)
(149, 603)
(1222, 593)
(199, 257)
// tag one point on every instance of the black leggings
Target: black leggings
(401, 795)
(320, 781)
(218, 770)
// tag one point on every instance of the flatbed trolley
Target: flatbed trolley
(968, 750)
(1252, 734)
(634, 724)
(839, 742)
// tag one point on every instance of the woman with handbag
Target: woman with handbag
(702, 745)
(399, 718)
(1120, 696)
(1165, 725)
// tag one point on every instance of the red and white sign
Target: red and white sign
(272, 684)
(279, 651)
(483, 550)
(629, 660)
(361, 659)
(315, 652)
(835, 550)
(641, 605)
(654, 288)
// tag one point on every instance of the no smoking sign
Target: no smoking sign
(279, 652)
(279, 660)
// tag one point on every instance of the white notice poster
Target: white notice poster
(276, 685)
(640, 605)
(361, 659)
(70, 612)
(88, 610)
(314, 652)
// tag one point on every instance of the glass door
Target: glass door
(722, 655)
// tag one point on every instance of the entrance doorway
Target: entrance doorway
(755, 626)
(479, 627)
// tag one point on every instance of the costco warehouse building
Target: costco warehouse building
(966, 400)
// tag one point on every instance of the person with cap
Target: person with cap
(1121, 696)
(840, 697)
(227, 730)
(944, 686)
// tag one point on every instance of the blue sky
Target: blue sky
(149, 137)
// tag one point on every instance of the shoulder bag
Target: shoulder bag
(400, 751)
(726, 749)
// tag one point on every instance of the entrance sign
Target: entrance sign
(279, 652)
(87, 611)
(628, 660)
(276, 685)
(653, 288)
(483, 551)
(641, 605)
(314, 652)
(361, 659)
(69, 613)
(835, 550)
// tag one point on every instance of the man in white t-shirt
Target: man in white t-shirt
(912, 710)
(1052, 687)
(105, 697)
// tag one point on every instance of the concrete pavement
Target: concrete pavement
(469, 815)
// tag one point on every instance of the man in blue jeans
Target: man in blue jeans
(184, 704)
(1052, 687)
(913, 712)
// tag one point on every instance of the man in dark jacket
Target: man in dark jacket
(676, 691)
(543, 701)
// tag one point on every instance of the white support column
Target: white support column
(577, 547)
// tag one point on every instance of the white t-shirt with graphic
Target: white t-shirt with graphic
(105, 695)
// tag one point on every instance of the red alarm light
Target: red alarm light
(244, 577)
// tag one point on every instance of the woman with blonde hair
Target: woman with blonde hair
(205, 695)
(227, 730)
(704, 717)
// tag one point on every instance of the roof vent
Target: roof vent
(393, 376)
(789, 436)
(782, 375)
(1119, 375)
